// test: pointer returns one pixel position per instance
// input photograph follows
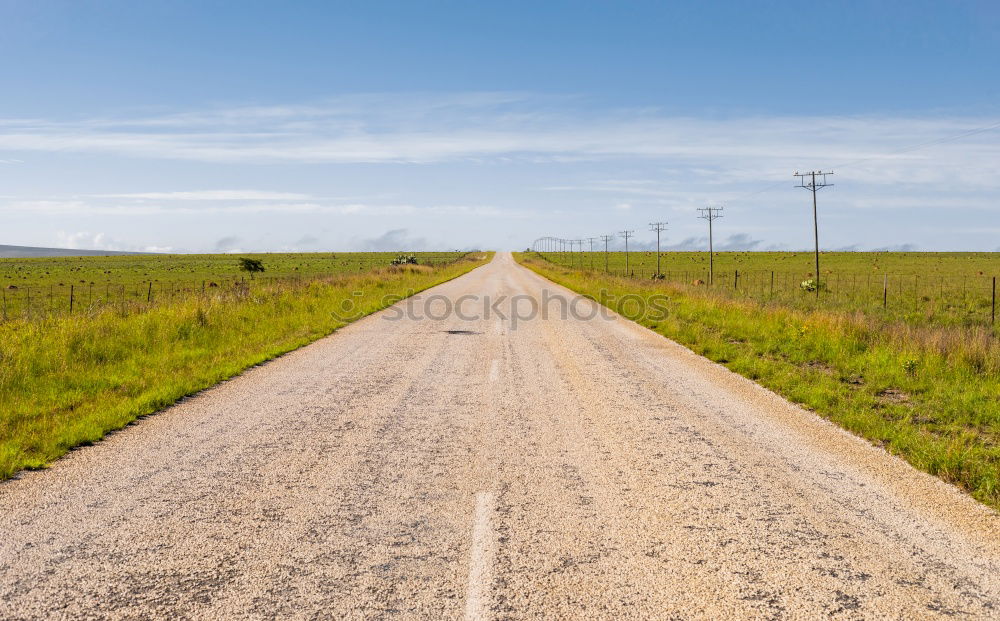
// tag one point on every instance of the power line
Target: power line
(906, 149)
(929, 143)
(658, 227)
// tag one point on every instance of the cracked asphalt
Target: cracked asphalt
(470, 468)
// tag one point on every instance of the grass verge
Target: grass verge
(930, 394)
(67, 381)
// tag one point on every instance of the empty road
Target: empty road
(470, 467)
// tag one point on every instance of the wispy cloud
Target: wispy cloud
(498, 126)
(126, 205)
(212, 195)
(596, 166)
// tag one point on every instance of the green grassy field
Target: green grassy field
(918, 287)
(929, 392)
(44, 285)
(67, 379)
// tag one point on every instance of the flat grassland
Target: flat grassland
(923, 384)
(916, 287)
(67, 379)
(44, 285)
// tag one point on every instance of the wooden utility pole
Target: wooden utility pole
(710, 214)
(626, 235)
(814, 186)
(658, 227)
(591, 240)
(606, 239)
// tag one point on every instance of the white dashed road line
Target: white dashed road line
(481, 557)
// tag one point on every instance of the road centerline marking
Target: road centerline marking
(482, 555)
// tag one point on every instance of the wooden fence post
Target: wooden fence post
(71, 299)
(736, 280)
(149, 292)
(885, 291)
(993, 317)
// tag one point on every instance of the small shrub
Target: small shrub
(811, 285)
(404, 259)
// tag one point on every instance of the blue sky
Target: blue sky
(237, 126)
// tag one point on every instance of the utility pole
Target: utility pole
(658, 227)
(591, 240)
(710, 213)
(606, 239)
(814, 186)
(626, 235)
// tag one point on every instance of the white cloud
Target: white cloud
(190, 206)
(84, 240)
(212, 195)
(603, 169)
(516, 127)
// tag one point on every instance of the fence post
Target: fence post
(5, 304)
(149, 292)
(993, 317)
(772, 282)
(736, 279)
(71, 299)
(885, 291)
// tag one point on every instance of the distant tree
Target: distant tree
(251, 265)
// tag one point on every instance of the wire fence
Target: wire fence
(40, 301)
(964, 300)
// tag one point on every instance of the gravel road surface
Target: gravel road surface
(473, 467)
